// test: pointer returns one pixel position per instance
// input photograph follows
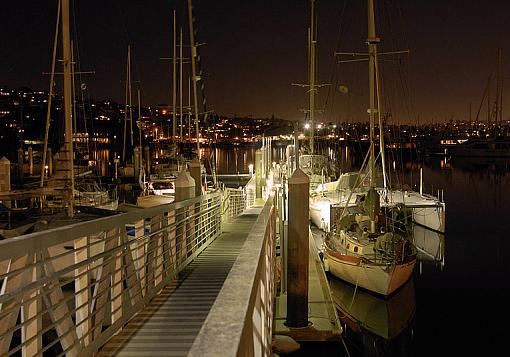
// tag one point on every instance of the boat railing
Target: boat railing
(66, 291)
(243, 310)
(95, 198)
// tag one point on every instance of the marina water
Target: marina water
(461, 301)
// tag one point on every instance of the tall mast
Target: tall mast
(140, 152)
(313, 90)
(130, 98)
(68, 110)
(174, 80)
(180, 84)
(195, 78)
(140, 124)
(128, 108)
(372, 42)
(189, 109)
(499, 91)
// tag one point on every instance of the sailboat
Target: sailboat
(85, 194)
(315, 166)
(370, 245)
(329, 199)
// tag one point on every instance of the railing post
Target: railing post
(258, 174)
(297, 269)
(82, 290)
(194, 228)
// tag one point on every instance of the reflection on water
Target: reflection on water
(373, 325)
(101, 162)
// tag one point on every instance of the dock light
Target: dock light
(250, 168)
(307, 126)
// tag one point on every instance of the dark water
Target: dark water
(459, 308)
(462, 309)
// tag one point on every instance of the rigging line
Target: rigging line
(77, 64)
(335, 72)
(405, 86)
(50, 96)
(334, 79)
(400, 96)
(206, 122)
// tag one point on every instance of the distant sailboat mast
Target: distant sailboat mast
(174, 82)
(313, 90)
(128, 106)
(181, 60)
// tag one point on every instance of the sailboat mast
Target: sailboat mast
(195, 78)
(499, 89)
(312, 93)
(130, 98)
(139, 123)
(128, 110)
(180, 84)
(189, 110)
(174, 81)
(68, 110)
(382, 146)
(372, 41)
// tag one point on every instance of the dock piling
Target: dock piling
(298, 250)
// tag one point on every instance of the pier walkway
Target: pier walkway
(197, 277)
(172, 321)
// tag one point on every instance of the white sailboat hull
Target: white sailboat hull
(428, 211)
(381, 279)
(430, 245)
(430, 217)
(320, 215)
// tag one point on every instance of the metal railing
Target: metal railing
(240, 322)
(236, 200)
(66, 291)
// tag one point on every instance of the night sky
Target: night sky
(254, 50)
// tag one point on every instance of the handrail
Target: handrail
(92, 277)
(241, 320)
